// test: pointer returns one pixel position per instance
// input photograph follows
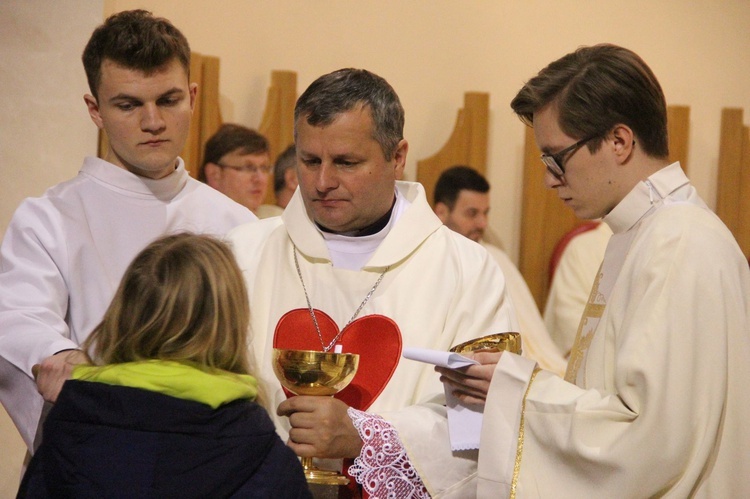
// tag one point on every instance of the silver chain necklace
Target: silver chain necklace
(328, 347)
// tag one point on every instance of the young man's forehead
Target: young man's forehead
(117, 79)
(171, 65)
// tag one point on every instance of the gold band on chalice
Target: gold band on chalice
(309, 372)
(510, 342)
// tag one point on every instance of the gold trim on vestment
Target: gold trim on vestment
(593, 310)
(519, 448)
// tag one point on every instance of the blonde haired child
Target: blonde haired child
(168, 407)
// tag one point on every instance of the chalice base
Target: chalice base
(322, 477)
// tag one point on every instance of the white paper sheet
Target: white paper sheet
(464, 422)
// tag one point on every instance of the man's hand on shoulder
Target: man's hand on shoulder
(321, 427)
(55, 370)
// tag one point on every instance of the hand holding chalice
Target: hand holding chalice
(308, 372)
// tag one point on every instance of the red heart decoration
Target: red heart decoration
(376, 338)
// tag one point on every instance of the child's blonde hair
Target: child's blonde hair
(182, 298)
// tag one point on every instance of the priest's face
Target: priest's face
(591, 185)
(469, 214)
(146, 116)
(345, 180)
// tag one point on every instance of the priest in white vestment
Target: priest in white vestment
(359, 258)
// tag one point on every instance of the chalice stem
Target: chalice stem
(321, 477)
(307, 463)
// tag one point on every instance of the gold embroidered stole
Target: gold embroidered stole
(589, 320)
(609, 270)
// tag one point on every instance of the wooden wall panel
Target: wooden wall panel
(208, 118)
(277, 123)
(730, 167)
(191, 153)
(103, 144)
(743, 223)
(467, 144)
(678, 128)
(733, 184)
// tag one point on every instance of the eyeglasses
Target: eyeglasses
(554, 162)
(251, 169)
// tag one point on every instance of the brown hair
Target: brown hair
(134, 39)
(229, 138)
(182, 298)
(595, 88)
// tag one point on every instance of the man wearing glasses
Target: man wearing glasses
(237, 163)
(654, 401)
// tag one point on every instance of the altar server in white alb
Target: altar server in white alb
(655, 399)
(64, 253)
(365, 250)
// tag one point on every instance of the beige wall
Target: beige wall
(44, 128)
(432, 52)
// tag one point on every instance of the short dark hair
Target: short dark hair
(228, 138)
(595, 88)
(456, 179)
(134, 39)
(347, 89)
(285, 161)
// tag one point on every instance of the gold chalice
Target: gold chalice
(309, 372)
(497, 342)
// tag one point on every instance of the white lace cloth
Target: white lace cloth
(383, 467)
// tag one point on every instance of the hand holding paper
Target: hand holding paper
(470, 384)
(470, 378)
(464, 422)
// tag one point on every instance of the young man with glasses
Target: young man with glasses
(237, 163)
(653, 402)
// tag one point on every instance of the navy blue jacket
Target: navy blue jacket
(113, 441)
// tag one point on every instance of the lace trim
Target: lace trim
(383, 467)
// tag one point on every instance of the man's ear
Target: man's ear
(442, 211)
(290, 178)
(93, 108)
(399, 157)
(193, 89)
(623, 141)
(213, 174)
